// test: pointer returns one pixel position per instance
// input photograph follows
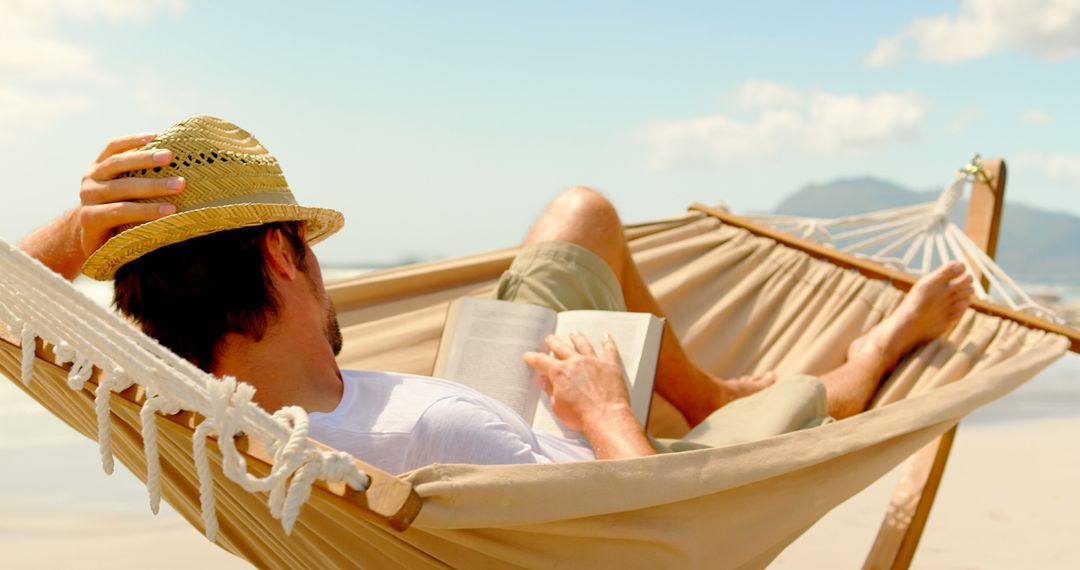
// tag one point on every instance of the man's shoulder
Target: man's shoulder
(371, 378)
(385, 375)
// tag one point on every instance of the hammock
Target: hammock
(916, 239)
(740, 302)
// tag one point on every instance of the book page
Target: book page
(637, 336)
(485, 350)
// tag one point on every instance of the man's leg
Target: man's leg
(932, 306)
(584, 217)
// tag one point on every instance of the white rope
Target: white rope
(37, 303)
(207, 502)
(148, 419)
(927, 253)
(101, 408)
(925, 236)
(29, 346)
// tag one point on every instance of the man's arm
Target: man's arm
(589, 395)
(65, 243)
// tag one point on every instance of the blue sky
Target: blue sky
(443, 128)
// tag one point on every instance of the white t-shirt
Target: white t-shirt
(398, 422)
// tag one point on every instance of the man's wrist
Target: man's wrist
(615, 433)
(602, 416)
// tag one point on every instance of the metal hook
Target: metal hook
(976, 171)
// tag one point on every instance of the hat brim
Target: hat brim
(144, 238)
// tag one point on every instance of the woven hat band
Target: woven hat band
(251, 198)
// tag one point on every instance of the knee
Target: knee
(584, 203)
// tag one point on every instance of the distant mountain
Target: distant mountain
(1035, 246)
(848, 196)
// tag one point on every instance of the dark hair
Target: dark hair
(189, 295)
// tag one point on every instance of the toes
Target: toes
(966, 292)
(964, 303)
(942, 276)
(764, 380)
(966, 281)
(953, 269)
(957, 308)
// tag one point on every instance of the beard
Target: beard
(333, 329)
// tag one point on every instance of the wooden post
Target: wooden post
(909, 509)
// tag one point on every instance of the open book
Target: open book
(484, 339)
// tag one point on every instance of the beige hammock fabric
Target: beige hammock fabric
(741, 304)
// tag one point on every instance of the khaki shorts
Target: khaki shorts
(564, 276)
(561, 276)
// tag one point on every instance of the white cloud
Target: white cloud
(17, 107)
(32, 52)
(44, 11)
(785, 119)
(887, 52)
(29, 46)
(1062, 169)
(756, 95)
(962, 120)
(1035, 117)
(1047, 29)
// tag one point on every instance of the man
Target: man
(211, 256)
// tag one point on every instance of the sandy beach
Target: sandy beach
(105, 539)
(1008, 500)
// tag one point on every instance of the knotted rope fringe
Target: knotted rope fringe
(37, 303)
(916, 239)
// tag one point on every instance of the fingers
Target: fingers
(127, 189)
(102, 218)
(559, 347)
(124, 143)
(542, 363)
(545, 384)
(117, 164)
(611, 352)
(538, 361)
(582, 344)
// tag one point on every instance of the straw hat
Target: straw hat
(232, 182)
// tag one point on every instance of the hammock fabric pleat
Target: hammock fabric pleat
(741, 304)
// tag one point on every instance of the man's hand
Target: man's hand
(589, 395)
(105, 204)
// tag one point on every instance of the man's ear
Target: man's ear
(279, 254)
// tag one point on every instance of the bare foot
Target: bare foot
(932, 306)
(726, 391)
